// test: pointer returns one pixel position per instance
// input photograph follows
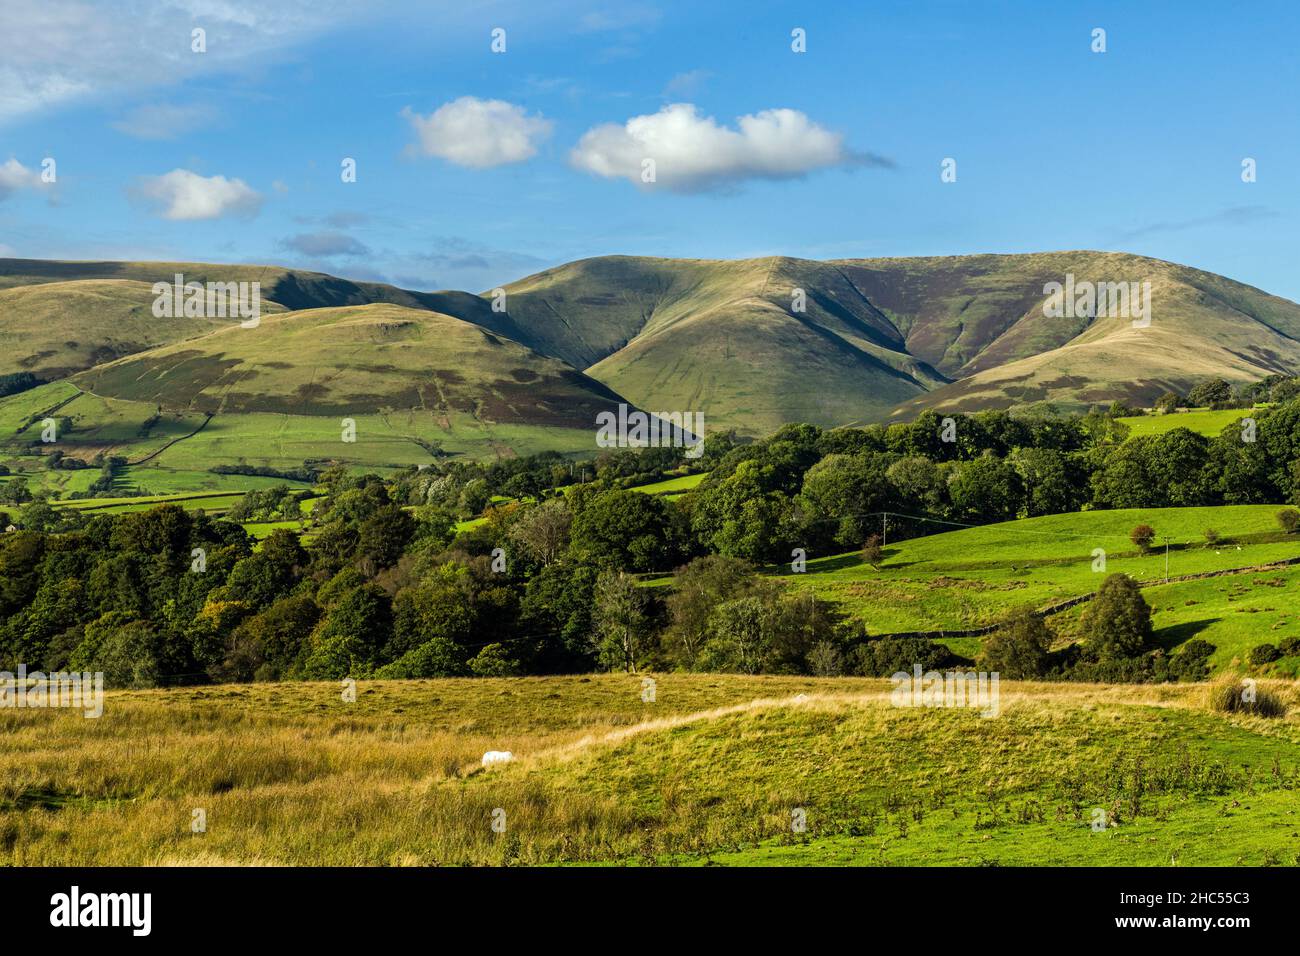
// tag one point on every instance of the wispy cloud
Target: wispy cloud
(453, 262)
(54, 52)
(685, 84)
(1232, 216)
(630, 16)
(325, 244)
(15, 176)
(163, 120)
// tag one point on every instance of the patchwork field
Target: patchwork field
(711, 771)
(173, 452)
(973, 577)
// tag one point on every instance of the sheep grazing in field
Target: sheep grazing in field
(497, 756)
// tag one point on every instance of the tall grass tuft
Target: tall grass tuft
(1231, 697)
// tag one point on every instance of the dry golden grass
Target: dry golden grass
(291, 774)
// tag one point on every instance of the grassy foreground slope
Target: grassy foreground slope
(712, 769)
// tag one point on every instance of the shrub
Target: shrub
(1192, 662)
(494, 661)
(1264, 654)
(1019, 649)
(889, 655)
(1289, 519)
(872, 552)
(1232, 697)
(1142, 536)
(1289, 646)
(824, 660)
(1117, 622)
(1211, 537)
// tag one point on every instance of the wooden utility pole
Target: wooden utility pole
(884, 528)
(1166, 559)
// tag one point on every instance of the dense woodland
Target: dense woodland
(553, 580)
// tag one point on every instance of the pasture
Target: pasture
(1205, 421)
(973, 577)
(712, 770)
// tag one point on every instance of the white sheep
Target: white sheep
(497, 756)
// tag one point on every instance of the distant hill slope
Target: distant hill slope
(751, 343)
(357, 360)
(981, 321)
(965, 332)
(54, 329)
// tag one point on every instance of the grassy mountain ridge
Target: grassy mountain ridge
(1201, 326)
(964, 332)
(751, 343)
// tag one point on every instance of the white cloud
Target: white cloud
(693, 153)
(479, 133)
(15, 176)
(54, 52)
(183, 195)
(163, 120)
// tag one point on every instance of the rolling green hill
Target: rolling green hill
(980, 320)
(55, 329)
(960, 332)
(357, 360)
(727, 338)
(751, 344)
(278, 395)
(59, 317)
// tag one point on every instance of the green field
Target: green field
(672, 488)
(975, 576)
(1201, 420)
(712, 771)
(166, 455)
(212, 501)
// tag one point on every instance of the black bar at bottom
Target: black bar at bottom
(532, 905)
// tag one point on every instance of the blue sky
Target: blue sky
(475, 167)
